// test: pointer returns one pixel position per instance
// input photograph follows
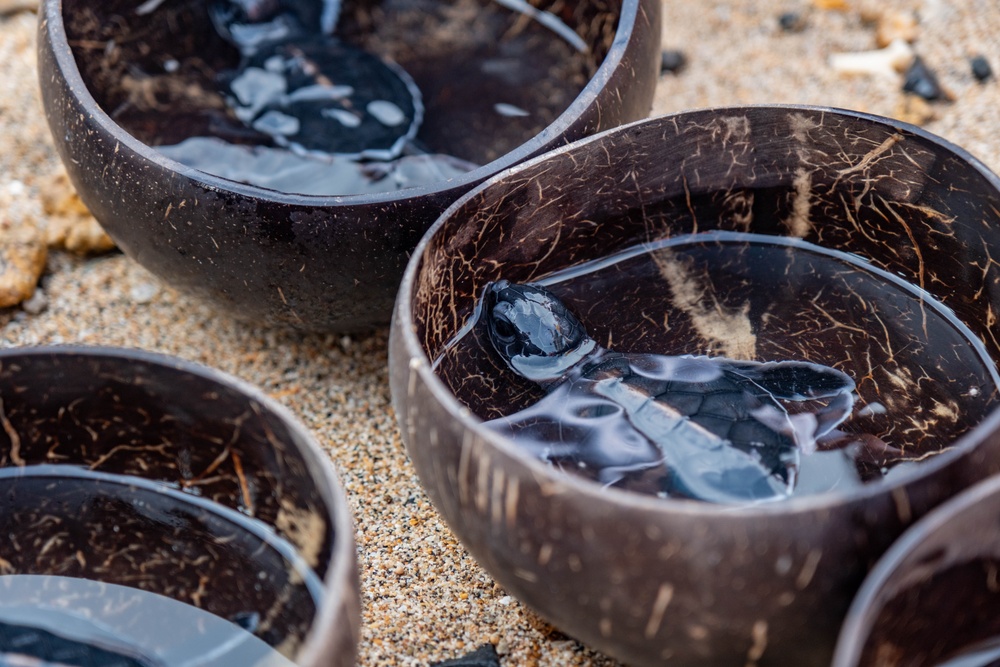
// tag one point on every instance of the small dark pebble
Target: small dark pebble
(920, 80)
(792, 22)
(980, 68)
(672, 60)
(484, 656)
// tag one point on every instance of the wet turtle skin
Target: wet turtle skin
(706, 428)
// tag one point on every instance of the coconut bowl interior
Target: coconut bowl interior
(117, 81)
(203, 452)
(933, 597)
(647, 579)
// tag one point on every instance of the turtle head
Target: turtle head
(533, 331)
(252, 25)
(260, 11)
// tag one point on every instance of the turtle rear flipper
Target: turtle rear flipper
(721, 473)
(702, 465)
(581, 430)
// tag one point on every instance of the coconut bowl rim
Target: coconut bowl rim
(854, 632)
(54, 30)
(337, 584)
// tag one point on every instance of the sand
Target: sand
(424, 597)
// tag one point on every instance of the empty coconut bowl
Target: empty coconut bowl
(644, 578)
(932, 599)
(119, 78)
(139, 490)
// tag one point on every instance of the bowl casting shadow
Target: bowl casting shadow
(202, 451)
(646, 579)
(313, 262)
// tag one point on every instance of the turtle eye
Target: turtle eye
(503, 328)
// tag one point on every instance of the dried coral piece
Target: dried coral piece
(82, 236)
(914, 109)
(71, 226)
(22, 259)
(8, 7)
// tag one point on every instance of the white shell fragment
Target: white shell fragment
(888, 62)
(144, 292)
(37, 303)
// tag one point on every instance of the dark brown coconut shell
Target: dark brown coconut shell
(935, 592)
(165, 420)
(638, 577)
(321, 263)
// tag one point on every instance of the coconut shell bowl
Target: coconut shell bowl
(932, 599)
(680, 198)
(165, 513)
(499, 82)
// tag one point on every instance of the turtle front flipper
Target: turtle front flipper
(702, 465)
(789, 380)
(581, 431)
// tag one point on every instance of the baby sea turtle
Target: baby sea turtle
(706, 428)
(309, 91)
(23, 645)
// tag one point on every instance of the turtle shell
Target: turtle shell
(321, 96)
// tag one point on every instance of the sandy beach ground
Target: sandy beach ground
(424, 598)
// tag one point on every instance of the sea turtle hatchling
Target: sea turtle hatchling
(26, 645)
(705, 428)
(309, 91)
